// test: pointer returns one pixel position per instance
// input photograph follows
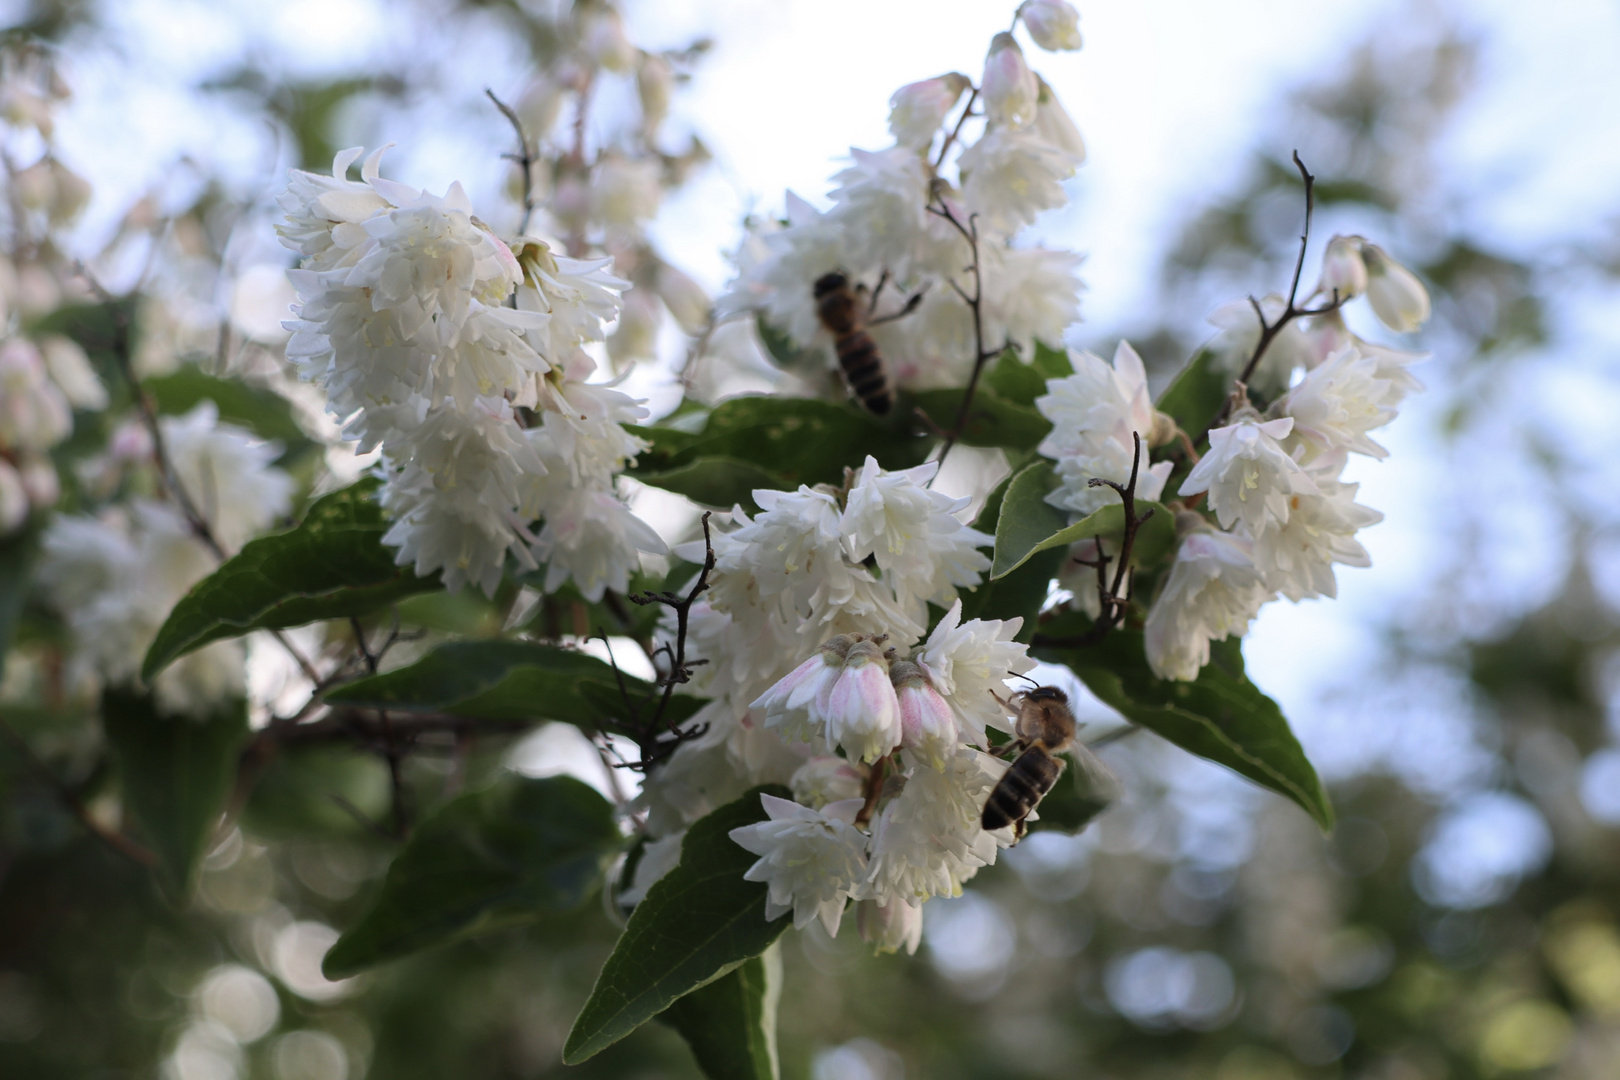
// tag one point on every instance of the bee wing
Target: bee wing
(1095, 779)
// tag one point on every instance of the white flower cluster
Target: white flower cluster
(925, 715)
(402, 320)
(884, 230)
(1095, 413)
(116, 576)
(1273, 481)
(41, 383)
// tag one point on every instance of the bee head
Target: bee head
(832, 282)
(1046, 693)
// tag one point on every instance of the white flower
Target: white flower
(1297, 559)
(1054, 124)
(1344, 273)
(1030, 295)
(796, 704)
(863, 715)
(226, 473)
(927, 840)
(1337, 403)
(1010, 175)
(922, 548)
(879, 209)
(71, 371)
(33, 413)
(812, 860)
(1397, 297)
(14, 501)
(890, 927)
(1094, 414)
(917, 109)
(927, 726)
(625, 192)
(1008, 89)
(592, 537)
(658, 858)
(827, 779)
(1214, 590)
(1249, 476)
(967, 661)
(1053, 24)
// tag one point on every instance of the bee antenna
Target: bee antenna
(1026, 678)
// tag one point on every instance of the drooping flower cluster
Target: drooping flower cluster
(916, 836)
(403, 321)
(1272, 481)
(888, 231)
(116, 576)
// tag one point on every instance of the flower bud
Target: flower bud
(605, 42)
(1344, 274)
(827, 779)
(1398, 298)
(1054, 125)
(1053, 24)
(796, 705)
(926, 723)
(13, 499)
(655, 80)
(863, 715)
(1009, 88)
(71, 371)
(40, 481)
(917, 109)
(889, 927)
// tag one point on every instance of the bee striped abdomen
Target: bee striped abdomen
(1023, 784)
(840, 312)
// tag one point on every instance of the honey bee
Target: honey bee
(841, 313)
(1045, 728)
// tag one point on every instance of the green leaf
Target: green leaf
(1020, 594)
(1051, 363)
(18, 554)
(332, 565)
(1221, 715)
(511, 854)
(730, 1024)
(507, 680)
(697, 924)
(1014, 381)
(267, 414)
(1195, 396)
(313, 791)
(175, 773)
(992, 420)
(1029, 524)
(751, 442)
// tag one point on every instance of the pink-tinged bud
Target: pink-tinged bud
(827, 779)
(1053, 24)
(13, 499)
(40, 481)
(926, 724)
(917, 110)
(131, 442)
(862, 714)
(1009, 89)
(890, 927)
(1398, 298)
(1344, 274)
(795, 705)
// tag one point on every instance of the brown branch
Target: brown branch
(944, 147)
(1270, 330)
(524, 158)
(117, 841)
(874, 790)
(975, 303)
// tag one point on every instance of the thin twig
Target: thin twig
(524, 158)
(1270, 330)
(975, 303)
(69, 798)
(944, 147)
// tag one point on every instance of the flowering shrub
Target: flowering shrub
(830, 648)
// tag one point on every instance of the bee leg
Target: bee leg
(1020, 827)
